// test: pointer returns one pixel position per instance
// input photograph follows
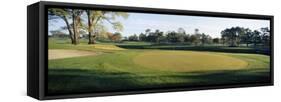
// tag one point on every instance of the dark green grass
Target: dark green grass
(199, 48)
(63, 81)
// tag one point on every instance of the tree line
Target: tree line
(172, 37)
(234, 36)
(92, 24)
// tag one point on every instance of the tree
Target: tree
(265, 35)
(116, 37)
(196, 31)
(181, 31)
(181, 34)
(208, 39)
(203, 39)
(95, 19)
(187, 38)
(216, 40)
(180, 37)
(64, 14)
(77, 24)
(256, 37)
(157, 36)
(154, 36)
(172, 37)
(142, 37)
(133, 38)
(246, 37)
(147, 31)
(231, 35)
(195, 39)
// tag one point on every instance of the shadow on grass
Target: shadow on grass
(69, 81)
(252, 50)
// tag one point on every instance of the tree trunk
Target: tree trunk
(69, 30)
(90, 24)
(75, 42)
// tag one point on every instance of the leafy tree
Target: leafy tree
(147, 31)
(181, 31)
(216, 40)
(154, 36)
(96, 18)
(187, 38)
(162, 39)
(157, 35)
(172, 37)
(203, 39)
(65, 15)
(195, 39)
(231, 35)
(256, 37)
(196, 31)
(265, 35)
(116, 37)
(181, 35)
(133, 38)
(208, 39)
(142, 37)
(246, 37)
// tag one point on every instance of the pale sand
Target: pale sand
(62, 53)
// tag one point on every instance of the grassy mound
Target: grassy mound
(186, 61)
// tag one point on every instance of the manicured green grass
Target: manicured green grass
(129, 69)
(181, 61)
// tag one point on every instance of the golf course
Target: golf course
(106, 67)
(99, 51)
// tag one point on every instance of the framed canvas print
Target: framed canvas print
(82, 50)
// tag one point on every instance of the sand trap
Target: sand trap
(61, 53)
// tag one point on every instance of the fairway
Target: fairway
(100, 51)
(187, 61)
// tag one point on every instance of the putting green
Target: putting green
(186, 61)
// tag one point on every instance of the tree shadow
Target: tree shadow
(70, 81)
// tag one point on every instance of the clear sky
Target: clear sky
(138, 22)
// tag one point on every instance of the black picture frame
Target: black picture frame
(37, 48)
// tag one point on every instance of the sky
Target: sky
(137, 23)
